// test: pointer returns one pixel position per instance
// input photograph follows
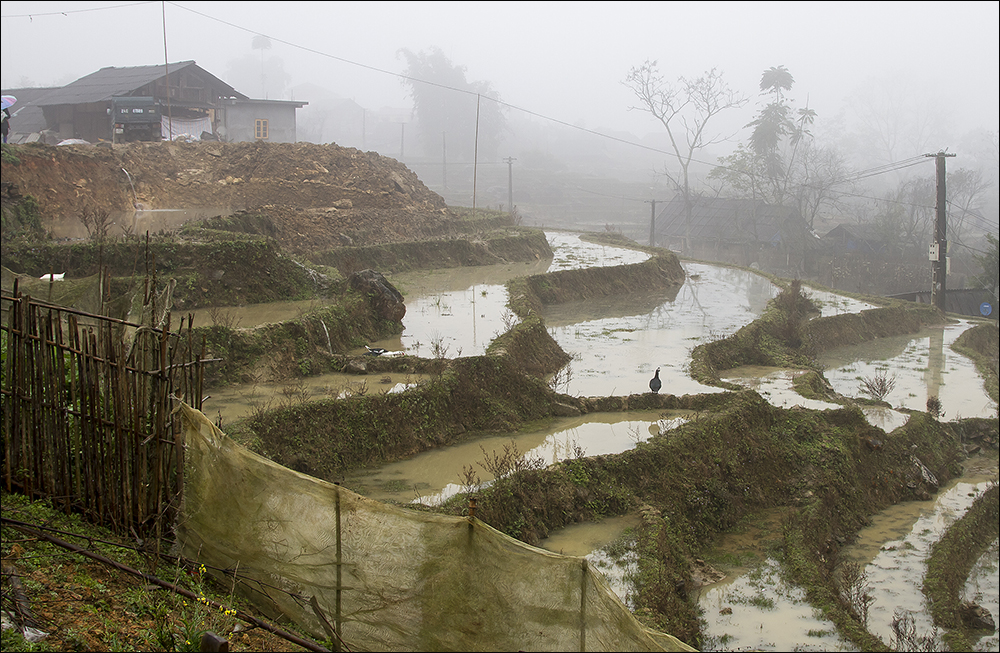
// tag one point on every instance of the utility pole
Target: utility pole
(652, 222)
(938, 253)
(444, 160)
(510, 184)
(402, 133)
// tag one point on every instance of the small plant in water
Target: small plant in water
(223, 318)
(856, 590)
(905, 637)
(509, 319)
(561, 379)
(934, 408)
(438, 348)
(879, 385)
(469, 479)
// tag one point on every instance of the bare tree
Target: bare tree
(822, 170)
(684, 109)
(966, 190)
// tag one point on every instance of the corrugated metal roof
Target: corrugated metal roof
(111, 82)
(26, 114)
(855, 231)
(729, 220)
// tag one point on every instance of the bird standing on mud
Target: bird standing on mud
(654, 383)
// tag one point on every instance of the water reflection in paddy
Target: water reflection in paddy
(759, 611)
(570, 252)
(618, 342)
(776, 385)
(235, 402)
(895, 547)
(833, 304)
(433, 476)
(923, 365)
(456, 312)
(609, 545)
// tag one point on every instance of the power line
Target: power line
(982, 221)
(856, 176)
(74, 11)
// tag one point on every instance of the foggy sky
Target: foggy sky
(562, 60)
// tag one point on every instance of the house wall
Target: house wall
(239, 121)
(90, 122)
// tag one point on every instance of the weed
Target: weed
(469, 479)
(509, 319)
(508, 462)
(97, 223)
(561, 379)
(879, 385)
(438, 348)
(227, 319)
(905, 637)
(934, 408)
(294, 394)
(856, 590)
(360, 389)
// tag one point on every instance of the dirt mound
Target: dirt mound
(341, 194)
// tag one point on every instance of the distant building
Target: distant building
(856, 239)
(27, 120)
(144, 103)
(738, 231)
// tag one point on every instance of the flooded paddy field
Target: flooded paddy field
(616, 344)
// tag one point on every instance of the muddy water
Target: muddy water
(618, 343)
(753, 608)
(460, 311)
(235, 402)
(923, 365)
(983, 587)
(449, 313)
(134, 222)
(569, 252)
(832, 304)
(775, 385)
(895, 547)
(252, 315)
(609, 545)
(759, 611)
(434, 476)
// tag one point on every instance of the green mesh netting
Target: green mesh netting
(407, 580)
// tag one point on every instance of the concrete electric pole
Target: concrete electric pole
(652, 223)
(938, 253)
(510, 184)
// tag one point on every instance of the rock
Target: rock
(976, 617)
(565, 410)
(387, 302)
(355, 366)
(874, 443)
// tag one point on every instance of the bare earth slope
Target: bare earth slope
(316, 195)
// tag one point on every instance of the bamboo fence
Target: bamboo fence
(87, 411)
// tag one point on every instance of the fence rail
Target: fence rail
(87, 412)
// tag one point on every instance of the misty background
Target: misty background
(580, 114)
